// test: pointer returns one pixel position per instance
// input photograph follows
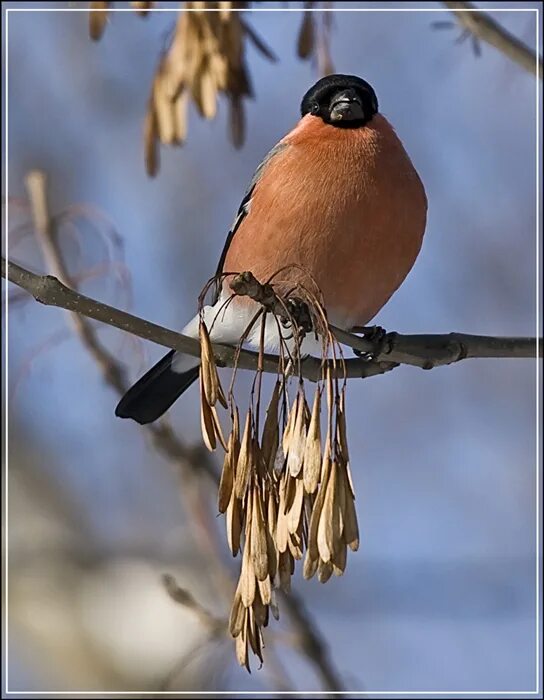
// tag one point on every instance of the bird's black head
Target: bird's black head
(341, 100)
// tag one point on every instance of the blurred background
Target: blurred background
(441, 595)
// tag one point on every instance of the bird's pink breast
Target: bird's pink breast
(342, 207)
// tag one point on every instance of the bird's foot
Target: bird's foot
(374, 334)
(300, 313)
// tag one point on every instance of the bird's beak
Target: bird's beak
(346, 106)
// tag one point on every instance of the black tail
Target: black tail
(155, 392)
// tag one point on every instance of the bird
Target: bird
(338, 201)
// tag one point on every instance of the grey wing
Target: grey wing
(243, 209)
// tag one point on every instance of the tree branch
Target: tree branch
(484, 27)
(425, 351)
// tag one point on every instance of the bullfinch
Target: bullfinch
(336, 201)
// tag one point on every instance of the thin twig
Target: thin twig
(215, 625)
(484, 27)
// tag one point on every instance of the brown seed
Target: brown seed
(265, 590)
(272, 512)
(241, 644)
(282, 533)
(98, 18)
(142, 7)
(294, 544)
(324, 571)
(259, 608)
(227, 480)
(272, 555)
(295, 511)
(318, 506)
(297, 439)
(244, 465)
(274, 606)
(339, 560)
(254, 636)
(329, 531)
(258, 538)
(212, 386)
(206, 420)
(291, 420)
(208, 95)
(270, 437)
(310, 566)
(312, 452)
(217, 427)
(351, 528)
(237, 614)
(306, 36)
(234, 524)
(180, 116)
(285, 570)
(248, 582)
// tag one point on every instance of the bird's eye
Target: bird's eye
(315, 108)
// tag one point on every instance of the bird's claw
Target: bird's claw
(376, 335)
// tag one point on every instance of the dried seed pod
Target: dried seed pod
(339, 559)
(324, 571)
(294, 544)
(295, 511)
(227, 480)
(291, 420)
(270, 436)
(206, 419)
(98, 19)
(285, 569)
(271, 555)
(259, 550)
(212, 385)
(312, 452)
(318, 503)
(351, 528)
(274, 606)
(237, 614)
(142, 8)
(282, 533)
(328, 531)
(259, 608)
(297, 438)
(180, 116)
(248, 583)
(310, 566)
(218, 430)
(234, 524)
(288, 488)
(254, 635)
(265, 590)
(241, 643)
(306, 36)
(244, 465)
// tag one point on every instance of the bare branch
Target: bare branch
(425, 351)
(184, 597)
(484, 27)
